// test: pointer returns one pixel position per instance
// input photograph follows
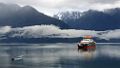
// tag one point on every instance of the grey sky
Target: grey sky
(52, 6)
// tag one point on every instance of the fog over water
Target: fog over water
(38, 31)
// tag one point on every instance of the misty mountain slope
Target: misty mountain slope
(16, 16)
(92, 20)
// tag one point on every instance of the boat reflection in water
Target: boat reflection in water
(87, 53)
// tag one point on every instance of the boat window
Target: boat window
(84, 44)
(87, 40)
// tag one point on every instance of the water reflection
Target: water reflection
(87, 54)
(59, 56)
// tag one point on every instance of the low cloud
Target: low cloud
(111, 34)
(39, 31)
(5, 29)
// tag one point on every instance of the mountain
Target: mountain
(16, 16)
(92, 19)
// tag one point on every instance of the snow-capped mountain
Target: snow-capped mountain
(92, 19)
(68, 15)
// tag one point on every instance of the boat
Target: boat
(87, 43)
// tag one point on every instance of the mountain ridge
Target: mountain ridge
(17, 16)
(92, 19)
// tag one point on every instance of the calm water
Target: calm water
(62, 55)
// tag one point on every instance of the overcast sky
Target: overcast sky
(51, 7)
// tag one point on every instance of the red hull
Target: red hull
(87, 47)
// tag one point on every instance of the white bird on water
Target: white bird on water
(17, 58)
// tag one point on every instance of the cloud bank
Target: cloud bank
(51, 31)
